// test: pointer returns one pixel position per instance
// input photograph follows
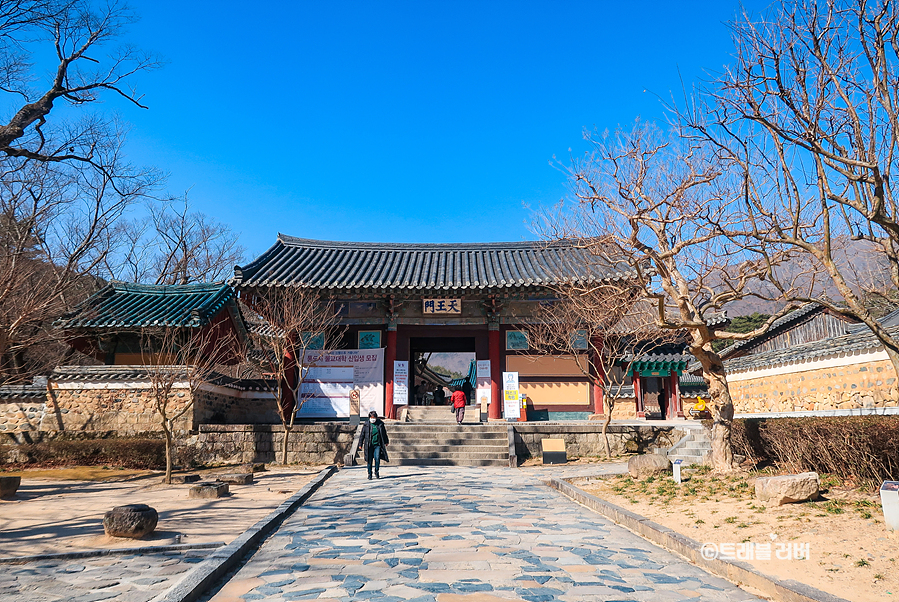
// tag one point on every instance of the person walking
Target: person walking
(439, 395)
(459, 401)
(374, 441)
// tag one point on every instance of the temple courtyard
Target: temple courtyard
(436, 534)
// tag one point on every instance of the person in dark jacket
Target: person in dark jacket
(374, 441)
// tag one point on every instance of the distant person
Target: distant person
(439, 396)
(466, 388)
(459, 400)
(374, 440)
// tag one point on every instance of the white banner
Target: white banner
(368, 377)
(326, 392)
(400, 383)
(511, 401)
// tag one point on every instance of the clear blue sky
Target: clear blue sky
(400, 121)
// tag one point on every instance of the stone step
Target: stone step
(395, 442)
(449, 462)
(411, 454)
(448, 447)
(441, 414)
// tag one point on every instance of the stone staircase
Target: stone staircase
(695, 448)
(431, 437)
(441, 414)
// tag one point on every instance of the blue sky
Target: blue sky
(400, 121)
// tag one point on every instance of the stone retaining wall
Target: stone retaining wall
(217, 405)
(587, 440)
(324, 443)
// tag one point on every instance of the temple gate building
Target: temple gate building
(414, 299)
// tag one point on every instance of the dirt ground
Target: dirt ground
(852, 554)
(62, 510)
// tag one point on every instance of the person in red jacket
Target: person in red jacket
(459, 401)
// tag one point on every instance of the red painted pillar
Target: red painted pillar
(600, 377)
(496, 409)
(389, 359)
(288, 403)
(638, 396)
(677, 411)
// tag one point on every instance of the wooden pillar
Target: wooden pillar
(496, 408)
(389, 359)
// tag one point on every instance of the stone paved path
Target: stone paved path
(123, 578)
(460, 535)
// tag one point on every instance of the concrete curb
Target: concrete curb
(734, 571)
(197, 581)
(181, 547)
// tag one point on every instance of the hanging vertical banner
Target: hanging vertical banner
(511, 401)
(483, 370)
(368, 378)
(484, 390)
(400, 383)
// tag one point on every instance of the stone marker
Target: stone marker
(9, 486)
(208, 489)
(134, 521)
(787, 489)
(185, 478)
(648, 465)
(238, 478)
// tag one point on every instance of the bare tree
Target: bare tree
(604, 328)
(809, 114)
(63, 182)
(56, 232)
(662, 206)
(76, 30)
(174, 245)
(180, 361)
(291, 322)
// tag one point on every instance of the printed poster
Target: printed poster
(368, 377)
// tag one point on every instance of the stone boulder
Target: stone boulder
(787, 489)
(208, 490)
(647, 465)
(9, 486)
(134, 521)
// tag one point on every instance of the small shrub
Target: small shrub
(861, 563)
(730, 519)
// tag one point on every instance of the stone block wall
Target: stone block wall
(217, 405)
(587, 439)
(325, 443)
(22, 414)
(869, 384)
(125, 411)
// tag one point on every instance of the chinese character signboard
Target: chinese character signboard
(442, 306)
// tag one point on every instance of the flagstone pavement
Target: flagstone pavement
(460, 534)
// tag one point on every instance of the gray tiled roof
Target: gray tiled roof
(860, 339)
(464, 266)
(785, 320)
(104, 373)
(123, 305)
(13, 392)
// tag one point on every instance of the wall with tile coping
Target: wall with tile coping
(870, 384)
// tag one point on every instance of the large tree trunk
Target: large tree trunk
(605, 427)
(722, 407)
(167, 429)
(284, 446)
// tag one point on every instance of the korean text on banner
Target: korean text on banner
(326, 392)
(400, 383)
(511, 403)
(368, 377)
